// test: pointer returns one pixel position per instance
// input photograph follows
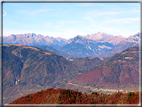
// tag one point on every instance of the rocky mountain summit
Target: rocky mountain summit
(128, 42)
(32, 39)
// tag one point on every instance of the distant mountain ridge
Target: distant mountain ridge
(128, 42)
(99, 44)
(32, 39)
(50, 48)
(100, 36)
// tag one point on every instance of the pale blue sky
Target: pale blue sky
(68, 20)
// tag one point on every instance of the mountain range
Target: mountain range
(103, 37)
(32, 39)
(99, 44)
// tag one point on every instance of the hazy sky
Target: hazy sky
(68, 20)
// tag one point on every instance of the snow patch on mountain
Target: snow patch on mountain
(89, 47)
(134, 39)
(104, 46)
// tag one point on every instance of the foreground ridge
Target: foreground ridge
(68, 96)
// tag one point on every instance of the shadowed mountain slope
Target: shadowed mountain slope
(87, 63)
(82, 47)
(29, 69)
(49, 48)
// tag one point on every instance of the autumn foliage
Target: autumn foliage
(68, 96)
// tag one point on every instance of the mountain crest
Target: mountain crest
(77, 37)
(135, 38)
